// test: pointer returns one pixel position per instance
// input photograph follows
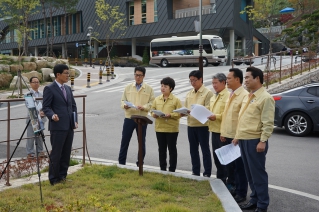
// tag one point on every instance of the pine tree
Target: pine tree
(146, 58)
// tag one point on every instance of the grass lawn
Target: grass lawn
(109, 188)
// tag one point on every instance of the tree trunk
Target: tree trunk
(65, 38)
(52, 33)
(45, 26)
(25, 41)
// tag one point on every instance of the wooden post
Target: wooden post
(140, 120)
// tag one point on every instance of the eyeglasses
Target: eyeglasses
(138, 75)
(67, 73)
(193, 81)
(35, 82)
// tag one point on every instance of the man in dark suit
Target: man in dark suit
(58, 106)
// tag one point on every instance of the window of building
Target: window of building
(74, 24)
(155, 11)
(42, 32)
(35, 30)
(131, 15)
(7, 38)
(55, 26)
(15, 35)
(143, 4)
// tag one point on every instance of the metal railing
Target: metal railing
(194, 11)
(276, 70)
(8, 129)
(274, 29)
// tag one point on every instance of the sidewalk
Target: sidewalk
(217, 185)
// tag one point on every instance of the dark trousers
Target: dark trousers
(236, 171)
(199, 136)
(129, 126)
(61, 142)
(254, 163)
(221, 169)
(167, 140)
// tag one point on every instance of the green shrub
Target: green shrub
(296, 23)
(288, 30)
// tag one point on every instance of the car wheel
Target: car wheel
(215, 64)
(164, 63)
(205, 62)
(298, 124)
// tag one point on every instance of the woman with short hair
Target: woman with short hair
(167, 126)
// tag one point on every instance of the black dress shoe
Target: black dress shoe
(248, 206)
(55, 182)
(260, 210)
(239, 199)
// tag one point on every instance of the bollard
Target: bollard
(106, 64)
(93, 61)
(108, 75)
(72, 83)
(86, 62)
(100, 76)
(112, 71)
(101, 62)
(88, 80)
(76, 61)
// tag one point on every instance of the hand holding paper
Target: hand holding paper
(200, 113)
(158, 113)
(129, 104)
(228, 153)
(182, 110)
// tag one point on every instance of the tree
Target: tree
(68, 7)
(48, 5)
(146, 58)
(113, 21)
(262, 13)
(17, 14)
(304, 5)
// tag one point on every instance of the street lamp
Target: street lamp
(90, 39)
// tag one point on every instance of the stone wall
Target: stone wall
(298, 80)
(33, 66)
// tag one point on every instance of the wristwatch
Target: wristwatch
(263, 141)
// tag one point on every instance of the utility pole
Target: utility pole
(200, 59)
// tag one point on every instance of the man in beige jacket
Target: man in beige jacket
(235, 170)
(141, 95)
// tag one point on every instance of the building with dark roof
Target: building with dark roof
(146, 20)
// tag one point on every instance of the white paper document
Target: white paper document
(182, 110)
(158, 113)
(200, 113)
(129, 104)
(228, 153)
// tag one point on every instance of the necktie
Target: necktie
(63, 91)
(231, 94)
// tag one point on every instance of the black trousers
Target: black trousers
(129, 126)
(167, 140)
(236, 171)
(61, 142)
(221, 169)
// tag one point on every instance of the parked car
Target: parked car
(298, 109)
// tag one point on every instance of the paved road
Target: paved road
(291, 161)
